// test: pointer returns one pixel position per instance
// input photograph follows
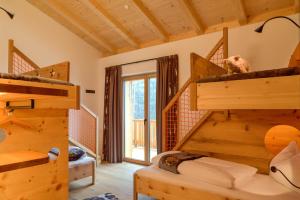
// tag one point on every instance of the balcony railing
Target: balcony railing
(138, 133)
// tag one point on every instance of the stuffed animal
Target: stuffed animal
(236, 64)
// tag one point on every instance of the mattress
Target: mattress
(253, 75)
(261, 187)
(33, 79)
(82, 161)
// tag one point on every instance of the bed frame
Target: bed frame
(34, 118)
(239, 114)
(83, 171)
(20, 63)
(242, 142)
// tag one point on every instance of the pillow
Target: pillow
(155, 159)
(240, 173)
(75, 153)
(287, 162)
(206, 173)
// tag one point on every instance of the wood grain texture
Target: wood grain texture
(46, 95)
(122, 26)
(160, 189)
(21, 159)
(47, 181)
(264, 93)
(241, 137)
(59, 71)
(82, 171)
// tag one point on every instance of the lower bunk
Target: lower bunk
(160, 184)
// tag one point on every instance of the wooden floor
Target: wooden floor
(113, 178)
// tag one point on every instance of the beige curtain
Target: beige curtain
(167, 87)
(112, 130)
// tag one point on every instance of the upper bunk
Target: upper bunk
(268, 89)
(24, 91)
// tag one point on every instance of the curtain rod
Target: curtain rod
(129, 63)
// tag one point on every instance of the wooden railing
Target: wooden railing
(83, 130)
(19, 63)
(181, 117)
(138, 133)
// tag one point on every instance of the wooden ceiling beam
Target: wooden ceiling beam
(188, 8)
(157, 27)
(98, 10)
(79, 24)
(241, 11)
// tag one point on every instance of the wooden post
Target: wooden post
(10, 55)
(225, 42)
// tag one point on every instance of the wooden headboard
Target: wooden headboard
(239, 136)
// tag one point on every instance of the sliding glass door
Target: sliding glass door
(139, 119)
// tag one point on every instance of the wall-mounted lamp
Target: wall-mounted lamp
(11, 15)
(260, 28)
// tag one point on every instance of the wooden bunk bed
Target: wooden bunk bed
(243, 107)
(34, 119)
(239, 110)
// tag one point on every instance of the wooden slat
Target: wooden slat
(162, 189)
(98, 10)
(264, 93)
(63, 96)
(192, 14)
(10, 55)
(19, 89)
(157, 27)
(60, 71)
(22, 159)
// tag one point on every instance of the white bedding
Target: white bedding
(82, 161)
(261, 187)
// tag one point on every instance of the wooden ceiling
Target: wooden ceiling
(115, 26)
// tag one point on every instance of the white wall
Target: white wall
(270, 49)
(46, 42)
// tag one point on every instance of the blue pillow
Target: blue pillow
(75, 153)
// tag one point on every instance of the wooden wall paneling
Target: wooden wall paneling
(96, 8)
(144, 23)
(174, 19)
(47, 181)
(193, 16)
(241, 137)
(254, 8)
(157, 27)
